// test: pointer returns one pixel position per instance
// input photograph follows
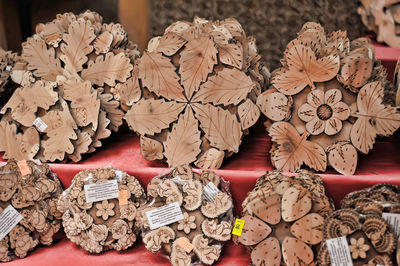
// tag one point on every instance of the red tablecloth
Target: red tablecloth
(242, 170)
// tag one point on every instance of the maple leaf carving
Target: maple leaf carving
(294, 150)
(304, 69)
(373, 117)
(158, 75)
(229, 86)
(183, 142)
(108, 69)
(77, 44)
(41, 60)
(221, 127)
(196, 62)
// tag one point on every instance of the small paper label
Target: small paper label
(101, 191)
(9, 218)
(339, 251)
(40, 124)
(89, 178)
(118, 175)
(123, 197)
(178, 180)
(164, 215)
(393, 219)
(8, 68)
(210, 191)
(185, 244)
(238, 227)
(24, 168)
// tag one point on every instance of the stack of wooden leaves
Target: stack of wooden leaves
(383, 18)
(200, 82)
(102, 225)
(77, 71)
(284, 218)
(326, 102)
(34, 196)
(396, 82)
(206, 223)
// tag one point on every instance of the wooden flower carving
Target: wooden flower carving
(200, 80)
(75, 70)
(33, 197)
(326, 102)
(105, 224)
(205, 229)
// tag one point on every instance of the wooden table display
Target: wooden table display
(76, 71)
(383, 18)
(200, 82)
(34, 196)
(206, 223)
(283, 218)
(325, 102)
(106, 224)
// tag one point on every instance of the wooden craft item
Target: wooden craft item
(102, 225)
(200, 81)
(34, 196)
(74, 69)
(326, 102)
(396, 82)
(206, 225)
(284, 218)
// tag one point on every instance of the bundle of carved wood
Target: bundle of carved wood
(326, 102)
(69, 99)
(200, 82)
(383, 18)
(32, 196)
(284, 218)
(396, 82)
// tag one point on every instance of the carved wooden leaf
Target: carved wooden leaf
(229, 86)
(268, 252)
(221, 127)
(296, 202)
(103, 42)
(248, 114)
(108, 69)
(309, 228)
(85, 105)
(196, 62)
(356, 72)
(149, 116)
(41, 60)
(296, 252)
(130, 91)
(275, 105)
(304, 69)
(170, 43)
(158, 75)
(183, 142)
(113, 112)
(254, 231)
(18, 146)
(294, 150)
(373, 117)
(25, 101)
(231, 54)
(77, 44)
(210, 159)
(102, 131)
(267, 208)
(343, 157)
(81, 144)
(151, 149)
(60, 130)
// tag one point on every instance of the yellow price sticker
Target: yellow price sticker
(238, 227)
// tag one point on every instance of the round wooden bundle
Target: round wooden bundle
(34, 196)
(326, 102)
(103, 225)
(76, 66)
(369, 238)
(200, 82)
(383, 18)
(206, 224)
(284, 219)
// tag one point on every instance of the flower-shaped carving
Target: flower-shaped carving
(128, 211)
(105, 209)
(200, 80)
(187, 224)
(358, 248)
(324, 112)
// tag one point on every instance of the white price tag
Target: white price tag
(210, 191)
(101, 191)
(339, 251)
(393, 219)
(40, 124)
(9, 218)
(164, 215)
